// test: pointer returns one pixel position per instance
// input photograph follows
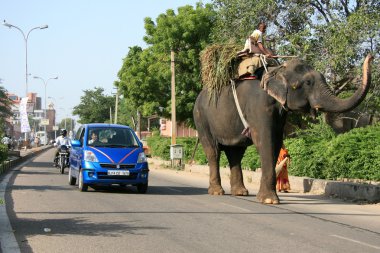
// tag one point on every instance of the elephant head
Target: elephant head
(297, 86)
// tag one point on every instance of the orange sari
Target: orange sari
(282, 178)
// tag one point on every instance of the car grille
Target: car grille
(103, 175)
(114, 166)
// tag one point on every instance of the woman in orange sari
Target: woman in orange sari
(282, 177)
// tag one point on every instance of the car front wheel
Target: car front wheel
(142, 188)
(81, 185)
(72, 180)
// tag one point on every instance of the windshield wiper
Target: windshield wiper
(121, 146)
(98, 145)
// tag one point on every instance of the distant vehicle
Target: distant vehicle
(42, 137)
(107, 154)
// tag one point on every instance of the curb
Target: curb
(7, 165)
(355, 192)
(8, 242)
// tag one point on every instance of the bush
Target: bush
(3, 152)
(316, 152)
(160, 147)
(307, 150)
(355, 154)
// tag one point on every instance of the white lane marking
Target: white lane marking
(359, 242)
(175, 190)
(237, 207)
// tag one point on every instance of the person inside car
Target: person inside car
(94, 139)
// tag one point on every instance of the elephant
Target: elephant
(265, 103)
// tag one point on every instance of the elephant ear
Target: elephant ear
(275, 84)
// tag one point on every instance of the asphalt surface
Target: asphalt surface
(176, 215)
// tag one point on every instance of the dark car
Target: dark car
(108, 154)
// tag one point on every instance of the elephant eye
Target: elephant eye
(308, 82)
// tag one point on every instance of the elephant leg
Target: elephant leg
(213, 156)
(234, 156)
(269, 149)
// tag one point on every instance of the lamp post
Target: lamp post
(45, 84)
(45, 111)
(26, 54)
(66, 116)
(26, 48)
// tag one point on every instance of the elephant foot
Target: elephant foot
(215, 190)
(239, 191)
(268, 197)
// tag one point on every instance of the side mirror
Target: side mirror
(76, 143)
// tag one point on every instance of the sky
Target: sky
(84, 44)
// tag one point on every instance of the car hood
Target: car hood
(116, 155)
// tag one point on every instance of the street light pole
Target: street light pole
(116, 104)
(26, 48)
(45, 111)
(45, 83)
(26, 54)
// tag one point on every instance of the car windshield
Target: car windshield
(111, 137)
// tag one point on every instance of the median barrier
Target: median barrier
(18, 158)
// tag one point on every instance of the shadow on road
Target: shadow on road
(74, 226)
(40, 164)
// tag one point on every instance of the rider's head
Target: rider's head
(63, 132)
(262, 26)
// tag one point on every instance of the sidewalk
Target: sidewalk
(21, 155)
(8, 241)
(356, 192)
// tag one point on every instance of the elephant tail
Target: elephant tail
(195, 149)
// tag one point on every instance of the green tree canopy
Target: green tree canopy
(94, 106)
(5, 108)
(68, 124)
(145, 77)
(5, 103)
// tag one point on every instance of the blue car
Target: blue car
(108, 154)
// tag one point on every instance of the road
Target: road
(177, 215)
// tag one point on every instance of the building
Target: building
(182, 129)
(35, 114)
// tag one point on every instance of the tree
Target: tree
(68, 124)
(5, 104)
(145, 76)
(94, 106)
(5, 108)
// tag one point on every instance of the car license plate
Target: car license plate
(118, 172)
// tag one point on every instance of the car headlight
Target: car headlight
(142, 158)
(89, 156)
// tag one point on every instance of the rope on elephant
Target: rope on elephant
(263, 59)
(246, 131)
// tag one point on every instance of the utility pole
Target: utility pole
(139, 124)
(116, 104)
(174, 123)
(110, 115)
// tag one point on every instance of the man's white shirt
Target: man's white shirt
(62, 141)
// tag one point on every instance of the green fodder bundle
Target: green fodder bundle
(219, 65)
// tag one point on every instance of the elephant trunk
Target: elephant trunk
(330, 103)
